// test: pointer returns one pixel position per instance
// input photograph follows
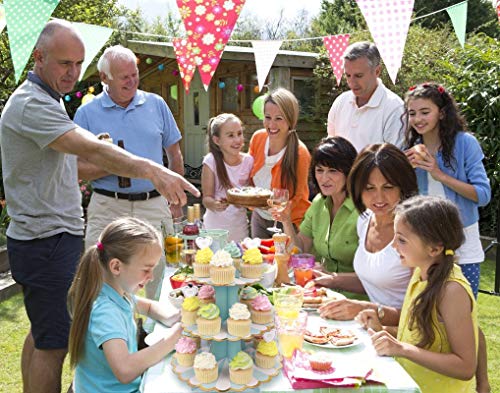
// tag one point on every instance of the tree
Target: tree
(339, 17)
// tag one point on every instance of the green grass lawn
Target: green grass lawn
(14, 326)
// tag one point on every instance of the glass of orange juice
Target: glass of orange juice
(173, 243)
(291, 333)
(302, 265)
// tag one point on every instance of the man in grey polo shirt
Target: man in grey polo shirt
(39, 146)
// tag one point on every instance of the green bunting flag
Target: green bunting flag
(2, 18)
(458, 16)
(94, 37)
(25, 21)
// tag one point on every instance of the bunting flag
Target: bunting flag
(335, 46)
(185, 60)
(388, 21)
(94, 37)
(25, 21)
(498, 10)
(2, 18)
(209, 24)
(265, 52)
(458, 16)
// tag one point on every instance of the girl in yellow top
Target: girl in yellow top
(281, 160)
(437, 334)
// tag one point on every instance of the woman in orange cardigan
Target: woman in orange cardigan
(281, 160)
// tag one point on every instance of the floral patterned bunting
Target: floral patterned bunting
(185, 60)
(335, 46)
(209, 24)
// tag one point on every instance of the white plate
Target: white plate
(331, 295)
(357, 341)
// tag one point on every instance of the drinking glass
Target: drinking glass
(173, 243)
(278, 201)
(302, 265)
(291, 333)
(288, 302)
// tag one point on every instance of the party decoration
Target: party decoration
(25, 20)
(258, 107)
(67, 98)
(87, 98)
(265, 53)
(2, 18)
(174, 92)
(78, 94)
(458, 16)
(498, 10)
(240, 87)
(94, 37)
(149, 60)
(256, 89)
(388, 21)
(222, 85)
(185, 60)
(161, 67)
(335, 46)
(209, 25)
(175, 73)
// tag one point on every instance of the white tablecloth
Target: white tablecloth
(161, 379)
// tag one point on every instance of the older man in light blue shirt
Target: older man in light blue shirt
(147, 128)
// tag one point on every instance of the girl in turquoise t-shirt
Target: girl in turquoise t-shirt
(103, 335)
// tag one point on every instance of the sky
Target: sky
(264, 9)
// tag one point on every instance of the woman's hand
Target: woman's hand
(324, 279)
(217, 205)
(369, 320)
(341, 310)
(423, 159)
(385, 344)
(284, 215)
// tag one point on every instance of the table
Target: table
(161, 379)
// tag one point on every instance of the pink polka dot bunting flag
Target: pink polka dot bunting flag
(209, 24)
(185, 61)
(335, 46)
(388, 21)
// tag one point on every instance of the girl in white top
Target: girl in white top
(225, 167)
(380, 178)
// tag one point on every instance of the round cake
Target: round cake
(249, 196)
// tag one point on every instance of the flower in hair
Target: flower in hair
(411, 88)
(441, 89)
(99, 246)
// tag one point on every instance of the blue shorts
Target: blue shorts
(45, 269)
(472, 272)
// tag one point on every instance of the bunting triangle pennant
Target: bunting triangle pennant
(265, 53)
(209, 24)
(94, 37)
(458, 16)
(2, 18)
(388, 22)
(335, 46)
(185, 61)
(498, 10)
(25, 21)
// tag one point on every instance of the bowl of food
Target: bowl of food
(176, 298)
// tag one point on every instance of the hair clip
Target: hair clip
(449, 252)
(441, 89)
(99, 246)
(411, 88)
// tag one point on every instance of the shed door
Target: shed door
(196, 115)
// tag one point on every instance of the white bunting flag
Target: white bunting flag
(265, 53)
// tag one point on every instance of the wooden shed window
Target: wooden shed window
(303, 89)
(230, 95)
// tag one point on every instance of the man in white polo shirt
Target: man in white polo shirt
(369, 112)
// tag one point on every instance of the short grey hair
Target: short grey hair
(111, 54)
(363, 49)
(50, 30)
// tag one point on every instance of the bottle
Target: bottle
(197, 215)
(190, 229)
(123, 182)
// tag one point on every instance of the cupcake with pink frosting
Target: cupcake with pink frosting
(185, 351)
(261, 310)
(206, 294)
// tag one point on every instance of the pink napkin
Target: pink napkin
(301, 376)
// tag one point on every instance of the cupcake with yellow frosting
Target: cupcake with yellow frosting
(252, 266)
(222, 270)
(205, 367)
(265, 354)
(201, 265)
(241, 368)
(208, 321)
(238, 323)
(189, 310)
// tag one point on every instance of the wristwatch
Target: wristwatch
(380, 312)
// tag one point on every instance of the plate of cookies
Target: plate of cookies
(332, 337)
(314, 298)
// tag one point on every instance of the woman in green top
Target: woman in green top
(328, 229)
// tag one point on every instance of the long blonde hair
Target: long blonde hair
(121, 239)
(289, 107)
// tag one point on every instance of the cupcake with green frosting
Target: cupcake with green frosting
(247, 294)
(235, 252)
(241, 369)
(265, 354)
(209, 321)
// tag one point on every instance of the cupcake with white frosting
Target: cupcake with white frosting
(238, 323)
(205, 367)
(221, 268)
